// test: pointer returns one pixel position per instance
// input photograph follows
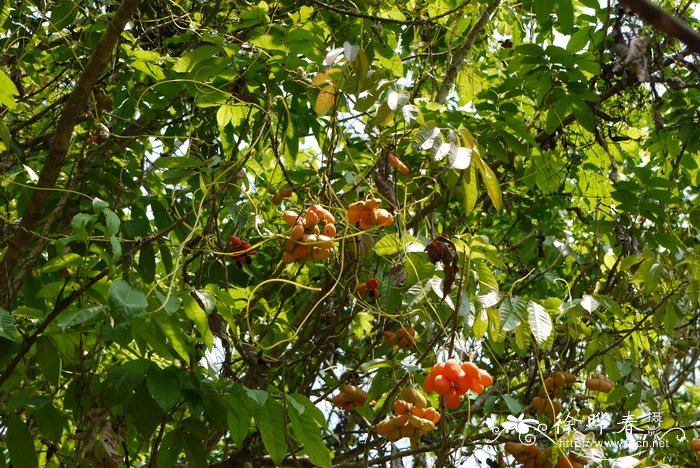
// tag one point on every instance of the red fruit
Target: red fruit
(471, 369)
(695, 445)
(234, 240)
(464, 382)
(372, 283)
(476, 387)
(485, 378)
(373, 293)
(429, 383)
(452, 369)
(441, 384)
(452, 400)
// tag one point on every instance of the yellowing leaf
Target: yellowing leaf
(325, 99)
(493, 188)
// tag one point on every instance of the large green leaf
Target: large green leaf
(308, 431)
(270, 420)
(540, 322)
(164, 385)
(20, 443)
(125, 301)
(8, 330)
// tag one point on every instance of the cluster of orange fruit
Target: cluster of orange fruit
(553, 385)
(350, 397)
(369, 288)
(306, 241)
(396, 163)
(452, 379)
(599, 383)
(241, 251)
(413, 417)
(368, 214)
(404, 338)
(695, 447)
(533, 456)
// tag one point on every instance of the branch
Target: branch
(58, 150)
(381, 19)
(665, 22)
(461, 54)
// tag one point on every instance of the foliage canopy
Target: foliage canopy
(556, 150)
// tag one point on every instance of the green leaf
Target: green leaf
(513, 405)
(565, 15)
(466, 311)
(63, 13)
(20, 443)
(147, 263)
(540, 322)
(189, 62)
(272, 426)
(392, 244)
(481, 324)
(164, 386)
(8, 330)
(238, 418)
(583, 113)
(112, 222)
(195, 313)
(126, 301)
(61, 262)
(512, 312)
(308, 432)
(48, 359)
(51, 422)
(169, 450)
(469, 186)
(543, 8)
(579, 39)
(172, 331)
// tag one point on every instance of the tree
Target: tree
(246, 234)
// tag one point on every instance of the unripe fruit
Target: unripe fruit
(384, 427)
(325, 242)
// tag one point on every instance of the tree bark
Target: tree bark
(11, 277)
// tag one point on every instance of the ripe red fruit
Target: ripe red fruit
(429, 383)
(441, 384)
(452, 369)
(372, 283)
(471, 369)
(452, 399)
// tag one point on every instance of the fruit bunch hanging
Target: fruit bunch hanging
(413, 417)
(452, 379)
(396, 163)
(241, 251)
(531, 455)
(404, 338)
(553, 386)
(350, 397)
(369, 288)
(368, 214)
(599, 383)
(307, 241)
